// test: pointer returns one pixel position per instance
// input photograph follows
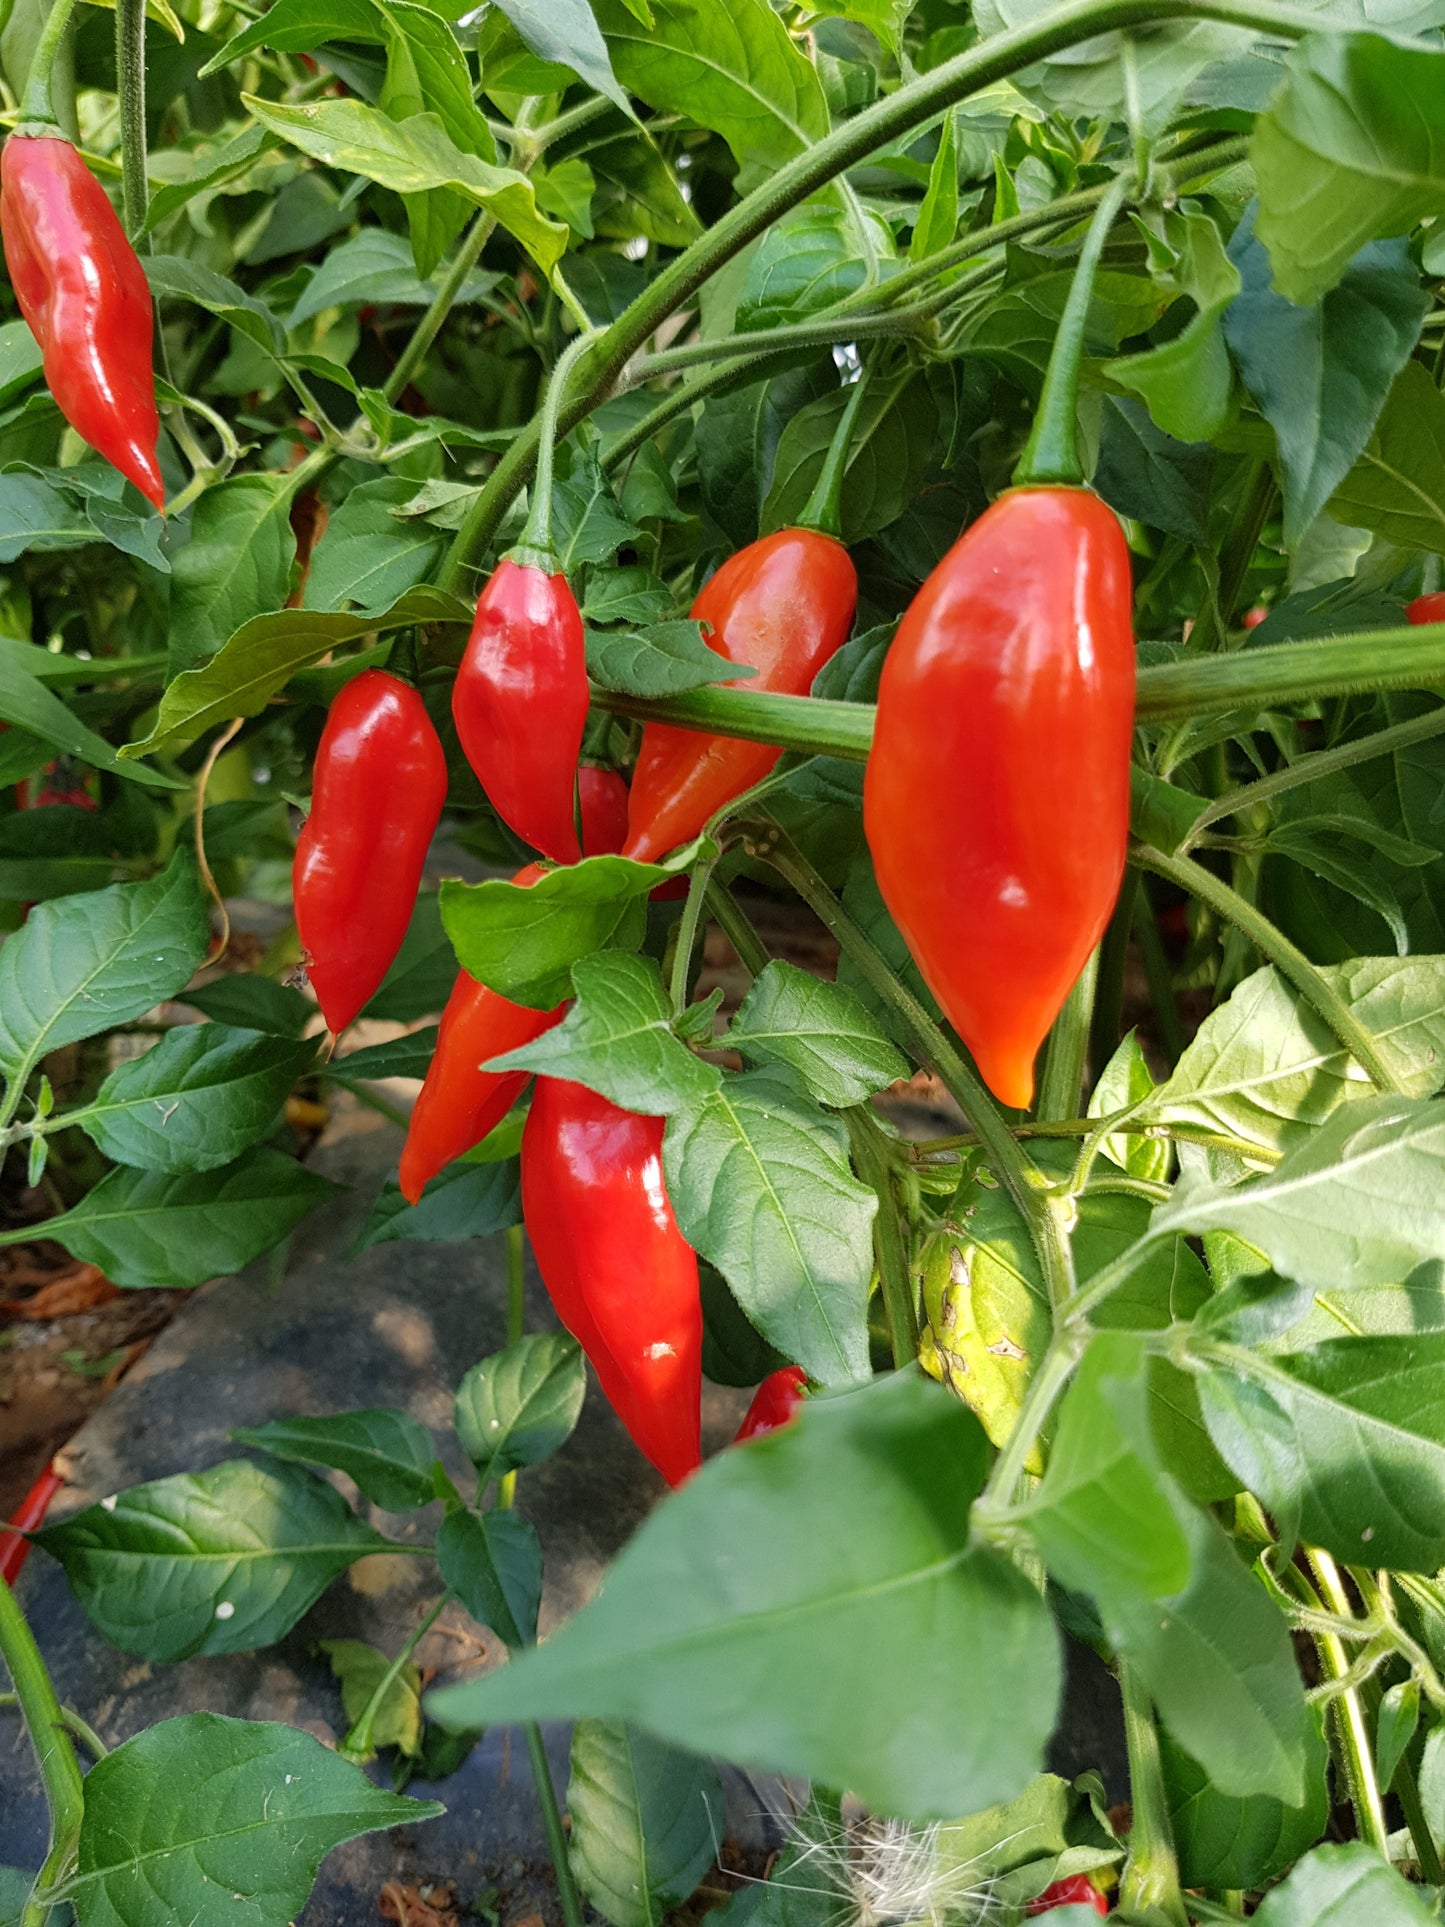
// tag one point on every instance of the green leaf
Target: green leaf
(658, 660)
(1342, 1887)
(1397, 488)
(387, 1453)
(238, 561)
(733, 1352)
(1126, 1080)
(1395, 1728)
(148, 1229)
(424, 972)
(638, 196)
(219, 1820)
(518, 1406)
(1362, 1202)
(35, 515)
(1186, 382)
(260, 658)
(26, 704)
(566, 33)
(1321, 374)
(175, 276)
(617, 1039)
(1299, 1428)
(408, 1056)
(361, 1669)
(200, 1097)
(891, 445)
(522, 941)
(208, 1562)
(467, 1200)
(252, 1002)
(78, 966)
(15, 1885)
(588, 524)
(761, 1187)
(205, 168)
(412, 157)
(818, 1029)
(1087, 79)
(938, 215)
(804, 264)
(735, 70)
(1146, 474)
(299, 26)
(1351, 149)
(1265, 1067)
(646, 1820)
(1223, 1841)
(493, 1563)
(729, 1620)
(1105, 1518)
(368, 558)
(374, 268)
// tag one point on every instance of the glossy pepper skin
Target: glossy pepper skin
(520, 704)
(29, 1518)
(620, 1275)
(459, 1103)
(996, 797)
(1077, 1891)
(84, 294)
(784, 605)
(1427, 608)
(379, 784)
(775, 1402)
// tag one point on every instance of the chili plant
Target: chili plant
(699, 346)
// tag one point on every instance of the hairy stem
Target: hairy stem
(890, 1235)
(130, 77)
(45, 1722)
(1149, 1890)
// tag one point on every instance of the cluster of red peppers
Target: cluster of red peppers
(80, 284)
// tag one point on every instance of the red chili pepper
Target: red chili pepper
(378, 789)
(29, 1518)
(1004, 715)
(520, 703)
(85, 296)
(1077, 1891)
(784, 605)
(775, 1402)
(621, 1276)
(602, 799)
(1427, 608)
(1255, 616)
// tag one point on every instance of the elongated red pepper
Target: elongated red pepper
(30, 1516)
(378, 788)
(84, 294)
(620, 1275)
(783, 605)
(1427, 608)
(775, 1402)
(602, 800)
(520, 703)
(1005, 714)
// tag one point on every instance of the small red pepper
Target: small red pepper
(1427, 608)
(29, 1518)
(775, 1402)
(1077, 1891)
(379, 785)
(621, 1276)
(520, 703)
(84, 294)
(602, 800)
(783, 605)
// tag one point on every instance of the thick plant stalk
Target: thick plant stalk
(49, 1735)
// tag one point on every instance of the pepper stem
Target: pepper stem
(535, 548)
(37, 105)
(823, 510)
(1052, 452)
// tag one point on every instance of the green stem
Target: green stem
(1068, 1047)
(442, 302)
(1051, 455)
(1318, 763)
(1149, 1890)
(45, 1722)
(552, 1825)
(73, 1723)
(536, 543)
(37, 106)
(807, 724)
(357, 1745)
(1011, 1165)
(1158, 977)
(889, 118)
(1277, 949)
(823, 509)
(130, 78)
(687, 929)
(1351, 1722)
(993, 1508)
(516, 1325)
(682, 399)
(1113, 962)
(735, 926)
(825, 332)
(890, 1238)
